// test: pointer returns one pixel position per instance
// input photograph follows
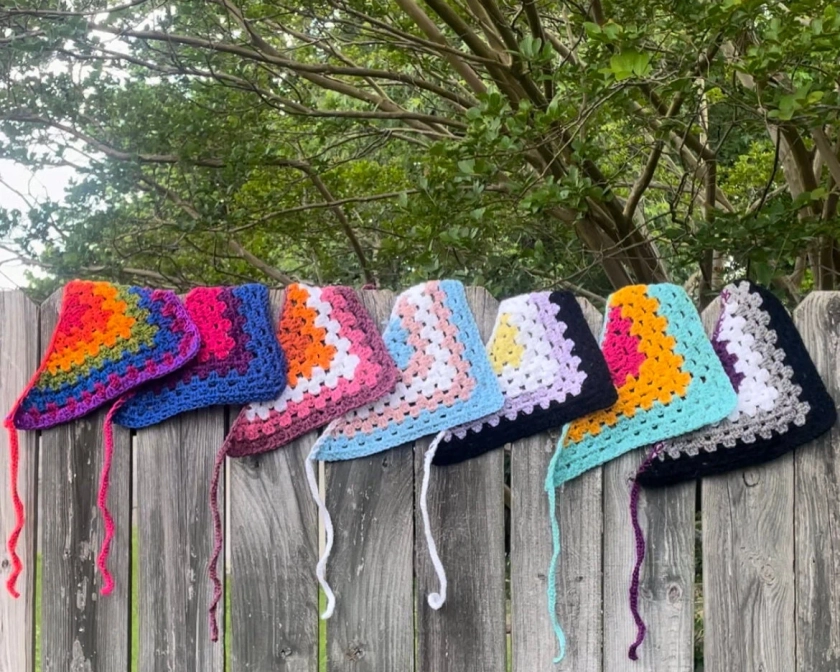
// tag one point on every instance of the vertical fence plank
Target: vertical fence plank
(466, 509)
(580, 514)
(81, 630)
(174, 464)
(817, 497)
(748, 580)
(274, 544)
(18, 359)
(666, 589)
(371, 503)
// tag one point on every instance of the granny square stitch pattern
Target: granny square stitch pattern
(549, 368)
(668, 377)
(445, 377)
(239, 360)
(782, 401)
(109, 339)
(337, 361)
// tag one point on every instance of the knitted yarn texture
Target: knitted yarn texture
(108, 340)
(239, 360)
(337, 361)
(550, 370)
(782, 402)
(669, 382)
(445, 380)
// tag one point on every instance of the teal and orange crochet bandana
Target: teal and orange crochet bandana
(669, 381)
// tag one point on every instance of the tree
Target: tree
(510, 143)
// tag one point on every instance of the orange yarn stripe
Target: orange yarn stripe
(303, 342)
(660, 376)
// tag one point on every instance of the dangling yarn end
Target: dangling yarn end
(102, 500)
(435, 600)
(14, 464)
(555, 557)
(635, 491)
(321, 567)
(217, 543)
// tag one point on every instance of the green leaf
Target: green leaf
(467, 166)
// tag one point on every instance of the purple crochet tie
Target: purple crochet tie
(641, 630)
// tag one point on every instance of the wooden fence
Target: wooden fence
(770, 540)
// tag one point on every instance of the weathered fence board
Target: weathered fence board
(81, 629)
(579, 573)
(466, 510)
(19, 339)
(371, 503)
(175, 463)
(817, 497)
(274, 532)
(748, 583)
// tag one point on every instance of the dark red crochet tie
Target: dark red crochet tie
(217, 541)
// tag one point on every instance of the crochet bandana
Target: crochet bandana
(337, 361)
(550, 370)
(445, 377)
(782, 401)
(109, 339)
(239, 360)
(668, 378)
(669, 382)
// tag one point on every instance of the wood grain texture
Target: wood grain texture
(466, 509)
(580, 514)
(274, 544)
(81, 630)
(174, 464)
(371, 502)
(748, 565)
(19, 337)
(817, 497)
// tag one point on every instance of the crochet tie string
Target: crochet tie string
(635, 491)
(217, 542)
(436, 600)
(102, 499)
(14, 464)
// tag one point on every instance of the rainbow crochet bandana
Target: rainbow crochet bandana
(337, 361)
(782, 401)
(550, 370)
(445, 378)
(668, 377)
(109, 339)
(239, 360)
